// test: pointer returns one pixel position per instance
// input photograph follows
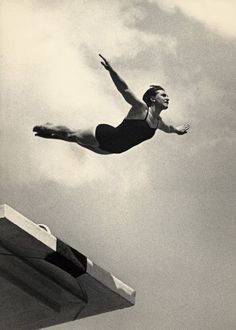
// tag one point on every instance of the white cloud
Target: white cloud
(216, 14)
(50, 71)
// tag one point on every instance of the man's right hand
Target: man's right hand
(105, 63)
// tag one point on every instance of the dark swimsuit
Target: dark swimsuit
(125, 136)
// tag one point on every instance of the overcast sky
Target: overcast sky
(161, 217)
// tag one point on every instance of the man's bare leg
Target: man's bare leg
(84, 138)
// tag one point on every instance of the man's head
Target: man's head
(156, 95)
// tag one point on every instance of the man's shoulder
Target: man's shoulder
(137, 112)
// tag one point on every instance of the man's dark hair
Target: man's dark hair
(151, 92)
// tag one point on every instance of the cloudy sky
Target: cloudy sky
(160, 217)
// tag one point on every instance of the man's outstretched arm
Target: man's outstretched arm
(180, 130)
(121, 85)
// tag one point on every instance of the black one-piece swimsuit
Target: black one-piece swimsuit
(125, 136)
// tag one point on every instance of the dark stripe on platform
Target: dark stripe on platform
(68, 259)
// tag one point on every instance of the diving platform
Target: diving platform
(44, 281)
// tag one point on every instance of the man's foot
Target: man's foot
(43, 129)
(50, 131)
(46, 135)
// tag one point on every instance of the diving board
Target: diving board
(44, 281)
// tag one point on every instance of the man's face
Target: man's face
(162, 99)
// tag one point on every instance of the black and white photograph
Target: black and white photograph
(117, 165)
